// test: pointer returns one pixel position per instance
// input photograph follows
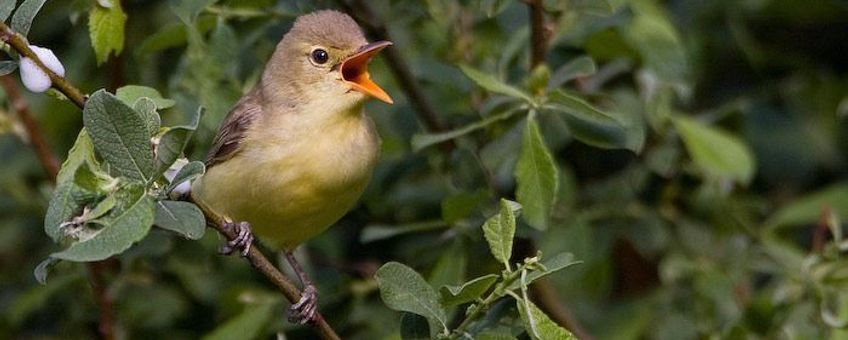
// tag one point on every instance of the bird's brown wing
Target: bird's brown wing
(232, 131)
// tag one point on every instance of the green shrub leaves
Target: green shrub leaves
(100, 209)
(403, 289)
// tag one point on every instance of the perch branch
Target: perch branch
(261, 264)
(20, 44)
(255, 257)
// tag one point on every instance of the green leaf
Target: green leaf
(128, 224)
(461, 205)
(173, 142)
(718, 153)
(652, 33)
(106, 29)
(378, 232)
(22, 20)
(68, 201)
(119, 135)
(147, 109)
(187, 10)
(81, 153)
(188, 172)
(494, 335)
(421, 141)
(586, 123)
(469, 291)
(536, 177)
(538, 325)
(494, 7)
(35, 298)
(6, 8)
(183, 218)
(403, 289)
(808, 209)
(499, 231)
(102, 208)
(93, 179)
(451, 265)
(8, 66)
(414, 327)
(492, 84)
(43, 269)
(552, 265)
(131, 93)
(69, 198)
(578, 67)
(247, 325)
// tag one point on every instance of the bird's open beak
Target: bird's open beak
(355, 71)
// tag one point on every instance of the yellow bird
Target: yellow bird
(297, 151)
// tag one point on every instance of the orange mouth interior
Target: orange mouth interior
(354, 70)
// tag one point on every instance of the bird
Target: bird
(297, 151)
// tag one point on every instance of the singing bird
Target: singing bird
(297, 151)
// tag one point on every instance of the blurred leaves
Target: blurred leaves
(106, 30)
(492, 84)
(808, 209)
(719, 154)
(246, 325)
(130, 94)
(587, 123)
(403, 289)
(22, 19)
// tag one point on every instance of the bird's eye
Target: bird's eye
(320, 56)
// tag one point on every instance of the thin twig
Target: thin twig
(217, 222)
(539, 36)
(48, 160)
(822, 230)
(375, 27)
(97, 270)
(20, 44)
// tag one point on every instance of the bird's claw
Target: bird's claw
(242, 241)
(304, 311)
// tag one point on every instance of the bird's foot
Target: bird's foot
(305, 310)
(243, 240)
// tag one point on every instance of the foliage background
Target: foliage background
(679, 236)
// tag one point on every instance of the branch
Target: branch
(262, 265)
(375, 27)
(539, 36)
(106, 326)
(20, 44)
(217, 222)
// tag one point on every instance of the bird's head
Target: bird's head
(324, 57)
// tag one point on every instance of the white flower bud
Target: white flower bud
(33, 77)
(184, 187)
